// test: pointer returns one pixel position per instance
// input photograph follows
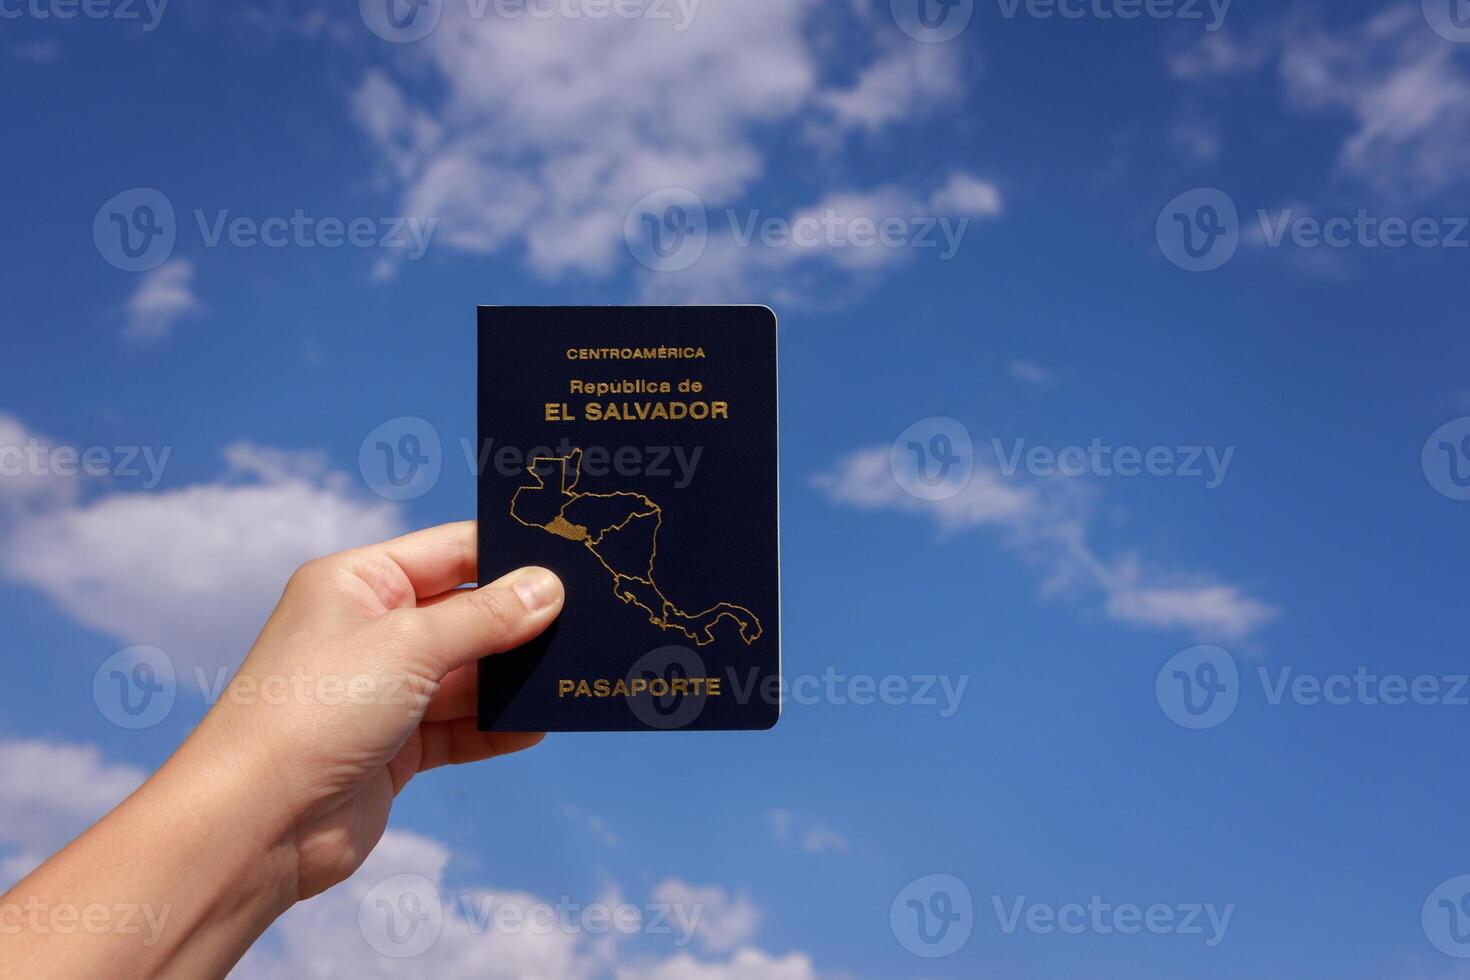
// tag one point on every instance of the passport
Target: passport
(634, 452)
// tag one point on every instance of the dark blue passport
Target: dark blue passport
(633, 451)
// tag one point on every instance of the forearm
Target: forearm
(178, 881)
(273, 800)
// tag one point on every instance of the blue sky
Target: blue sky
(1069, 155)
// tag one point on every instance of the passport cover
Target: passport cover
(633, 451)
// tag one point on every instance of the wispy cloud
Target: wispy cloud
(164, 297)
(469, 946)
(895, 85)
(828, 250)
(1195, 137)
(725, 921)
(1223, 53)
(1046, 522)
(592, 824)
(538, 137)
(26, 481)
(1403, 92)
(1031, 373)
(193, 571)
(814, 838)
(746, 964)
(52, 791)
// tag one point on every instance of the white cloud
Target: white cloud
(542, 134)
(49, 793)
(593, 824)
(194, 571)
(27, 478)
(965, 194)
(1031, 373)
(1222, 610)
(813, 838)
(905, 80)
(826, 253)
(1046, 522)
(549, 130)
(863, 479)
(724, 921)
(1408, 92)
(164, 297)
(747, 964)
(1196, 138)
(1259, 231)
(324, 937)
(1221, 54)
(1404, 92)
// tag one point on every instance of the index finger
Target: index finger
(436, 559)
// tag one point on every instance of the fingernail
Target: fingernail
(537, 589)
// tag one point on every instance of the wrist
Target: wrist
(230, 802)
(187, 851)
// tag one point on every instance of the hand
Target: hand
(365, 676)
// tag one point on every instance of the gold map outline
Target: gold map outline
(563, 528)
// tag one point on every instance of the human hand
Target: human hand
(364, 676)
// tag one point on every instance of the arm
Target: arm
(363, 677)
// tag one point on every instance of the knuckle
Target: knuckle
(406, 630)
(310, 573)
(499, 607)
(416, 691)
(381, 574)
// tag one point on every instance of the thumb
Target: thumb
(493, 619)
